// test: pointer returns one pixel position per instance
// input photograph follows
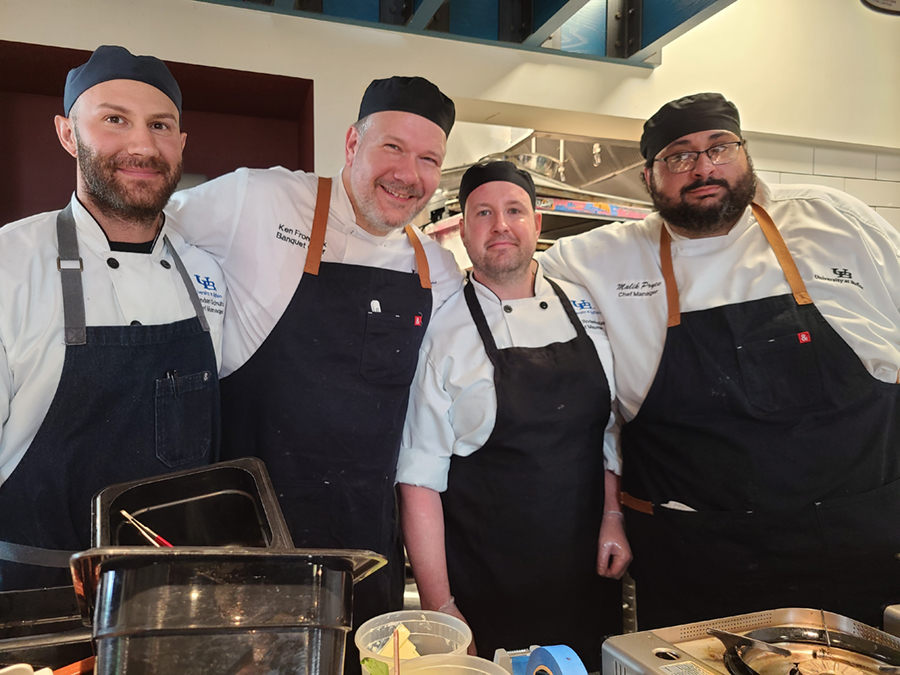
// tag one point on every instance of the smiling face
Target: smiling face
(125, 135)
(500, 231)
(710, 198)
(392, 168)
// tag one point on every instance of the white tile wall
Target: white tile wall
(875, 192)
(890, 215)
(888, 167)
(848, 163)
(869, 175)
(781, 156)
(830, 181)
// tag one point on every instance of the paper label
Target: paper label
(686, 668)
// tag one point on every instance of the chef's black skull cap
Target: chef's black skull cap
(688, 115)
(488, 172)
(111, 62)
(409, 94)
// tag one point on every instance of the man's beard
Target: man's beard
(378, 219)
(502, 269)
(141, 204)
(705, 218)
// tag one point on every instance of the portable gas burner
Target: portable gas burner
(775, 642)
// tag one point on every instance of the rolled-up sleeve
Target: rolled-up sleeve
(427, 441)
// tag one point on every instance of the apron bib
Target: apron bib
(323, 400)
(522, 514)
(765, 421)
(132, 402)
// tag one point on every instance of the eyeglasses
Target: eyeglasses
(723, 153)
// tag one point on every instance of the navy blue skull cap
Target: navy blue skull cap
(688, 115)
(488, 172)
(412, 95)
(111, 62)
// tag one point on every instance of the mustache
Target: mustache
(703, 183)
(154, 163)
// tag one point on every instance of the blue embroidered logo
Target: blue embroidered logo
(206, 282)
(582, 304)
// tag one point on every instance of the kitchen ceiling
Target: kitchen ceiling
(631, 32)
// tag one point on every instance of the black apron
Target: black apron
(323, 401)
(766, 422)
(132, 402)
(522, 514)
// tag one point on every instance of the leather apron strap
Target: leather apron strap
(320, 224)
(71, 266)
(421, 258)
(788, 266)
(776, 242)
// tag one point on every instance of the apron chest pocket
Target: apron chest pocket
(184, 417)
(780, 373)
(391, 348)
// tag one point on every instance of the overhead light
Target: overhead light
(886, 6)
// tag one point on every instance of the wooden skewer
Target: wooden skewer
(397, 650)
(149, 534)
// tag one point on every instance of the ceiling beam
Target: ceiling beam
(425, 10)
(549, 16)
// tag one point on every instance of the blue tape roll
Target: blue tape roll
(555, 660)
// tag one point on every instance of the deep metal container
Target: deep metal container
(201, 610)
(227, 504)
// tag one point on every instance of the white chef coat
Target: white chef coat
(848, 256)
(257, 223)
(453, 402)
(32, 341)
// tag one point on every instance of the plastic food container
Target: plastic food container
(183, 611)
(452, 664)
(430, 632)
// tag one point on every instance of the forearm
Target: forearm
(422, 520)
(612, 499)
(613, 551)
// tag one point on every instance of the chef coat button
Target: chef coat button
(135, 323)
(507, 309)
(166, 264)
(112, 262)
(544, 305)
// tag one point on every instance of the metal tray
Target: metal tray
(42, 627)
(689, 650)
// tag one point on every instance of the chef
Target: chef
(755, 333)
(332, 293)
(509, 492)
(108, 323)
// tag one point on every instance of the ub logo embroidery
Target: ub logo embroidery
(582, 304)
(206, 282)
(842, 273)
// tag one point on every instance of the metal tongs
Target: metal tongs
(145, 531)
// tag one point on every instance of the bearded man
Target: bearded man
(109, 323)
(331, 291)
(756, 343)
